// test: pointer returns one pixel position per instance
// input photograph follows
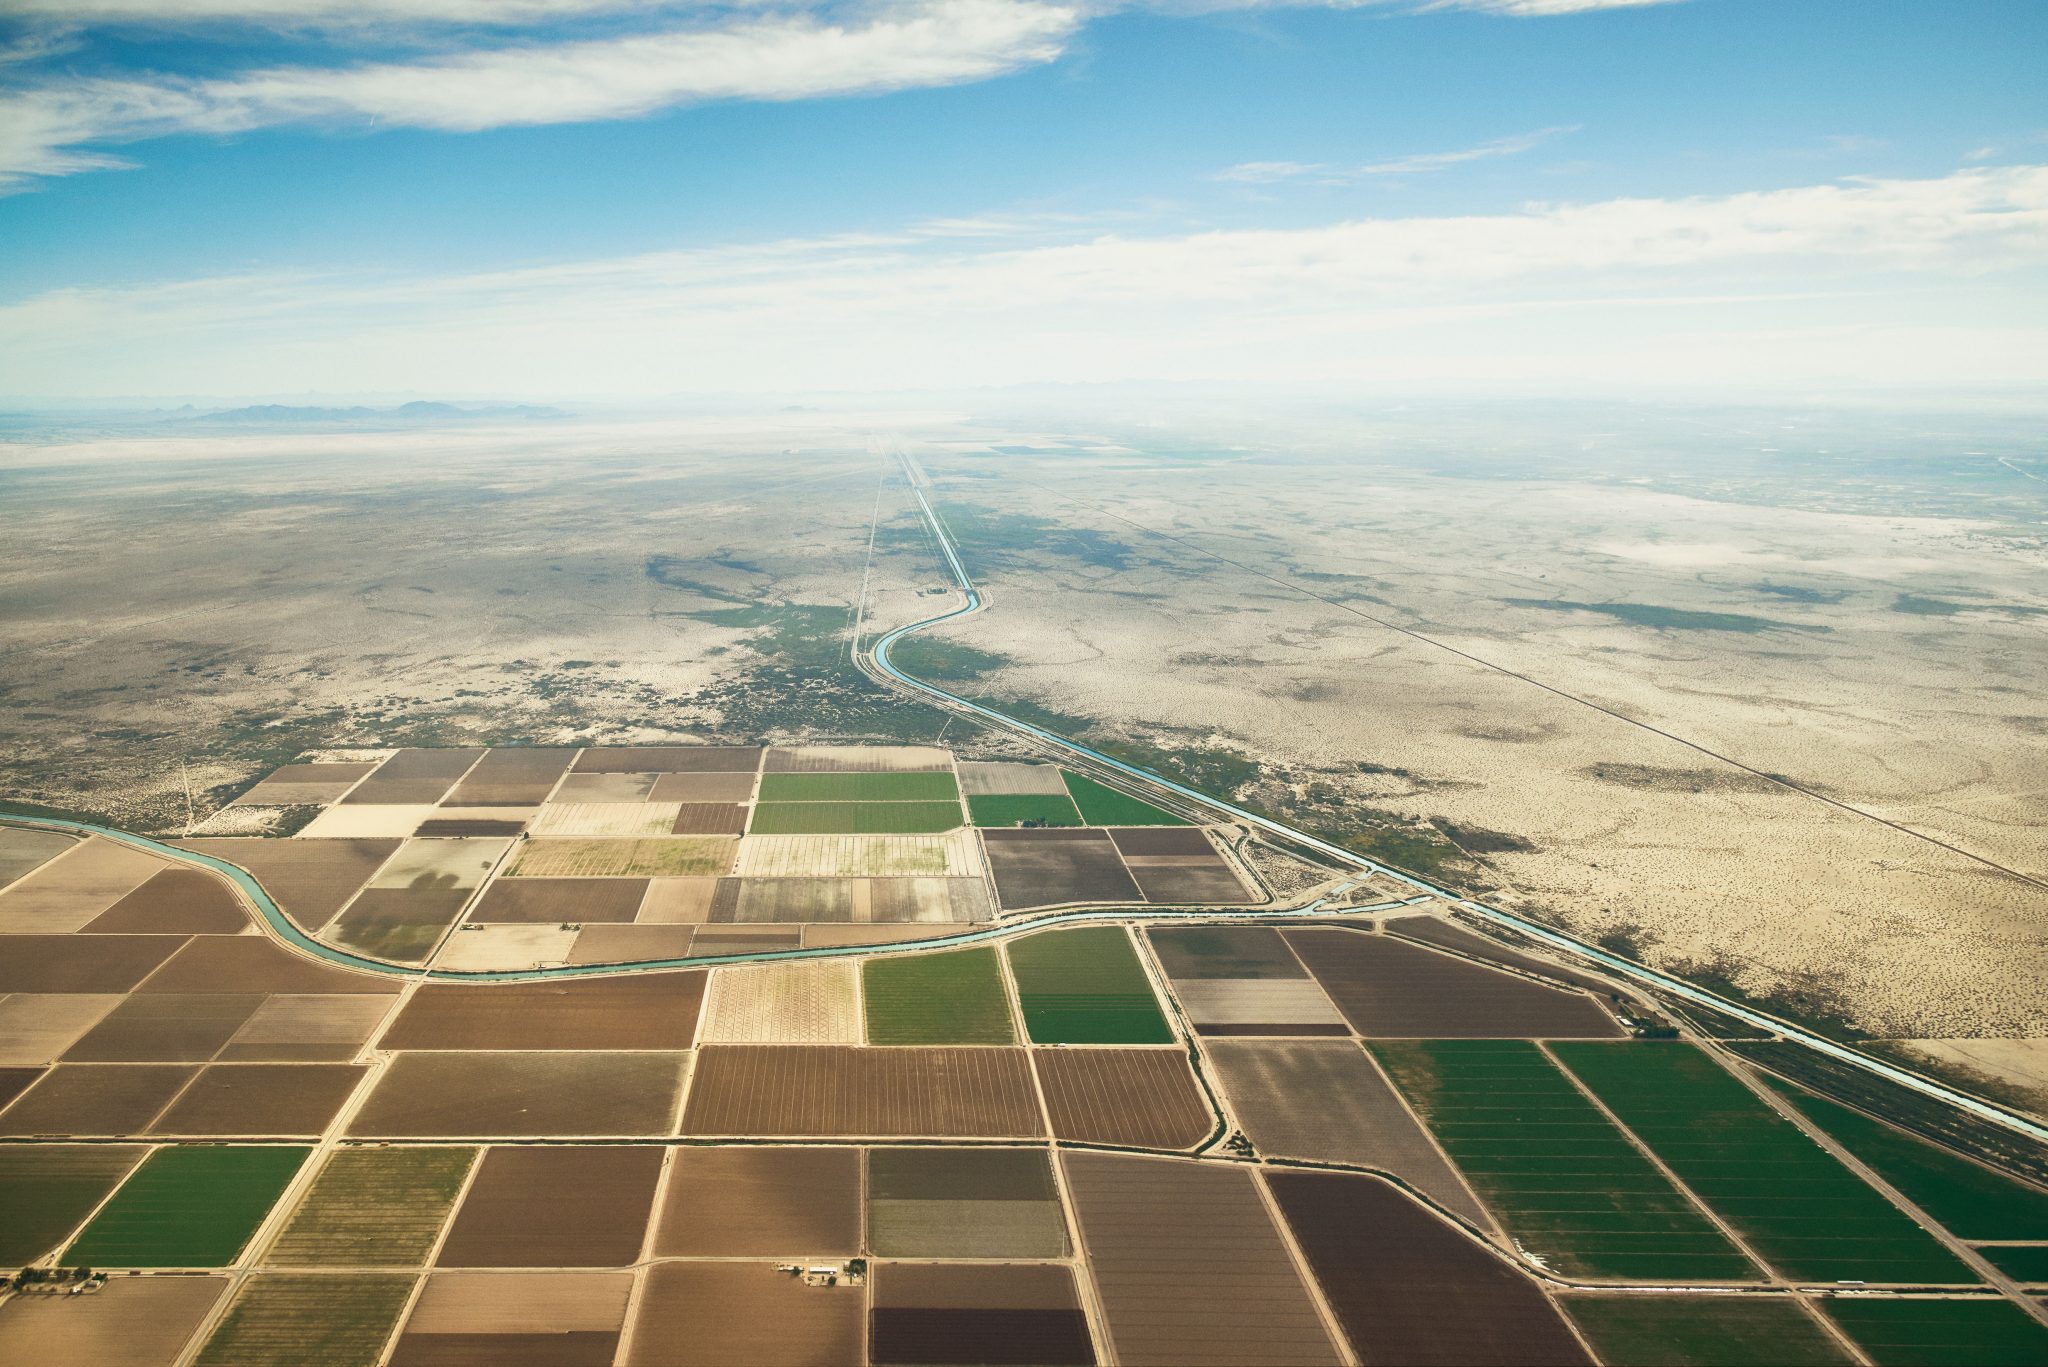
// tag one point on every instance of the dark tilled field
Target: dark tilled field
(729, 788)
(169, 1028)
(879, 1093)
(1044, 867)
(643, 1011)
(414, 776)
(719, 1314)
(82, 963)
(761, 1202)
(491, 1095)
(174, 902)
(560, 900)
(710, 818)
(95, 1099)
(512, 777)
(262, 1100)
(309, 879)
(1208, 883)
(670, 759)
(1409, 1288)
(582, 1348)
(401, 924)
(1178, 841)
(934, 1313)
(1143, 1097)
(252, 963)
(1390, 989)
(572, 1206)
(1224, 952)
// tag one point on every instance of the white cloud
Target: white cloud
(54, 128)
(308, 12)
(1421, 163)
(1534, 9)
(940, 304)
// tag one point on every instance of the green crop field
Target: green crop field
(1007, 809)
(188, 1206)
(1972, 1201)
(1086, 987)
(1105, 806)
(952, 998)
(1937, 1333)
(46, 1189)
(938, 787)
(2026, 1263)
(1703, 1331)
(1803, 1212)
(1564, 1181)
(854, 818)
(374, 1208)
(302, 1320)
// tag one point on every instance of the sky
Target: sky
(637, 200)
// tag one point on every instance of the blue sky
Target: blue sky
(555, 198)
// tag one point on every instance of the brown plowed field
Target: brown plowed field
(641, 1011)
(670, 759)
(164, 1029)
(15, 1081)
(715, 940)
(720, 1314)
(883, 1093)
(470, 827)
(492, 1095)
(798, 1203)
(828, 937)
(1185, 882)
(857, 759)
(702, 788)
(517, 776)
(79, 963)
(251, 963)
(1037, 868)
(174, 902)
(1143, 1097)
(1329, 1102)
(1181, 842)
(37, 1027)
(610, 944)
(936, 1313)
(1434, 930)
(522, 1303)
(678, 901)
(309, 879)
(575, 1349)
(131, 1322)
(1390, 989)
(1189, 1266)
(562, 900)
(569, 1206)
(74, 887)
(308, 1028)
(296, 784)
(95, 1099)
(261, 1100)
(413, 776)
(1408, 1288)
(710, 818)
(607, 788)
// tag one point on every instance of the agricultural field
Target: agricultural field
(963, 1203)
(1086, 987)
(1690, 1331)
(1941, 1333)
(1022, 809)
(188, 1207)
(307, 1320)
(854, 818)
(1102, 805)
(374, 1207)
(953, 997)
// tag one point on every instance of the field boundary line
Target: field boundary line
(1436, 1145)
(1333, 1328)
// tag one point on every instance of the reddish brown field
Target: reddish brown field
(567, 1206)
(936, 1313)
(307, 1029)
(165, 1028)
(798, 1090)
(82, 963)
(711, 818)
(517, 776)
(579, 1348)
(1409, 1288)
(505, 1095)
(1143, 1097)
(174, 902)
(1391, 989)
(670, 759)
(413, 776)
(638, 1011)
(722, 1314)
(1163, 841)
(251, 963)
(1189, 1266)
(702, 788)
(760, 1202)
(561, 900)
(309, 879)
(261, 1100)
(95, 1099)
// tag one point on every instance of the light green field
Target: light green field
(1086, 987)
(188, 1206)
(374, 1208)
(956, 997)
(1104, 806)
(853, 818)
(301, 1320)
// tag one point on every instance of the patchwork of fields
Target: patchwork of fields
(1175, 1143)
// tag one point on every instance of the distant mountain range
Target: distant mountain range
(418, 411)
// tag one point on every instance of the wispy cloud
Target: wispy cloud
(63, 126)
(1417, 164)
(183, 13)
(933, 306)
(1532, 9)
